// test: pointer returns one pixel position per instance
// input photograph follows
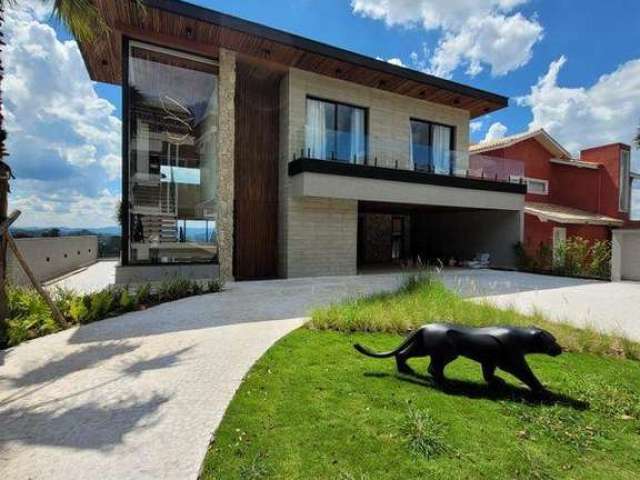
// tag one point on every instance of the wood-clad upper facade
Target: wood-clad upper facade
(184, 26)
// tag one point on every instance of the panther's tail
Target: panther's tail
(371, 353)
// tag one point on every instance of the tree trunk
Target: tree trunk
(5, 174)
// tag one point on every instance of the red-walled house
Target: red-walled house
(567, 197)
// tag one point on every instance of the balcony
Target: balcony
(402, 161)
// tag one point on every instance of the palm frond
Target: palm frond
(82, 18)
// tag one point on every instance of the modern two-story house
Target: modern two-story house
(253, 153)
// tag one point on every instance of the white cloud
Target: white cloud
(474, 32)
(64, 140)
(496, 130)
(67, 209)
(393, 61)
(475, 126)
(396, 61)
(606, 112)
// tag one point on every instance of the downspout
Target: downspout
(600, 191)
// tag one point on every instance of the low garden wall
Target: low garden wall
(51, 257)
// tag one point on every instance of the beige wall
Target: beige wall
(337, 186)
(51, 257)
(318, 236)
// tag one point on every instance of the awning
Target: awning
(559, 214)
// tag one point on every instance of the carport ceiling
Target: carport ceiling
(397, 208)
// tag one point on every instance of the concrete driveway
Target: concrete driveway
(611, 307)
(138, 396)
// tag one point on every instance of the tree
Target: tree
(83, 20)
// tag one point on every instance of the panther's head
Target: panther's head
(544, 342)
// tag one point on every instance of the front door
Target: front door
(397, 239)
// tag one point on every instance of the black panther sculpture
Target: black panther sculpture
(501, 347)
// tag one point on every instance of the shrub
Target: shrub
(425, 436)
(29, 315)
(78, 311)
(574, 257)
(600, 264)
(214, 286)
(127, 301)
(575, 252)
(143, 294)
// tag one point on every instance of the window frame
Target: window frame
(431, 124)
(527, 180)
(625, 186)
(337, 103)
(128, 43)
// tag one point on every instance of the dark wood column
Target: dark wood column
(256, 171)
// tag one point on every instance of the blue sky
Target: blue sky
(570, 67)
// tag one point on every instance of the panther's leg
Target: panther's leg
(488, 372)
(401, 363)
(519, 368)
(411, 351)
(438, 363)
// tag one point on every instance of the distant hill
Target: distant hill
(113, 231)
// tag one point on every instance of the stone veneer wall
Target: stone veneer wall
(318, 236)
(226, 146)
(283, 177)
(322, 237)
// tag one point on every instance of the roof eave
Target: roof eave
(196, 12)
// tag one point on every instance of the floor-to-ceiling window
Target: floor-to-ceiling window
(172, 174)
(335, 131)
(432, 147)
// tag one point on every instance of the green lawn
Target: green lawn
(313, 408)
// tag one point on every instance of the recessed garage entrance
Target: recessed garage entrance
(406, 235)
(625, 261)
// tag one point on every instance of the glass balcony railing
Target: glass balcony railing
(343, 147)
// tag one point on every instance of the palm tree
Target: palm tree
(83, 20)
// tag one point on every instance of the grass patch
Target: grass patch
(312, 407)
(423, 300)
(30, 317)
(424, 435)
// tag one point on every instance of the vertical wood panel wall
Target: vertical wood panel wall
(256, 172)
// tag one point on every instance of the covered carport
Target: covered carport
(403, 234)
(625, 255)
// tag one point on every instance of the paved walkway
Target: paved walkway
(137, 396)
(92, 278)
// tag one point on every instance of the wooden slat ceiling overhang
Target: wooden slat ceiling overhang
(184, 26)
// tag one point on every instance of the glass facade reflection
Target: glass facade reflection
(172, 177)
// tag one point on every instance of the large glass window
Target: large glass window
(335, 131)
(625, 180)
(431, 147)
(173, 159)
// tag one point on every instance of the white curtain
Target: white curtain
(357, 136)
(441, 148)
(316, 130)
